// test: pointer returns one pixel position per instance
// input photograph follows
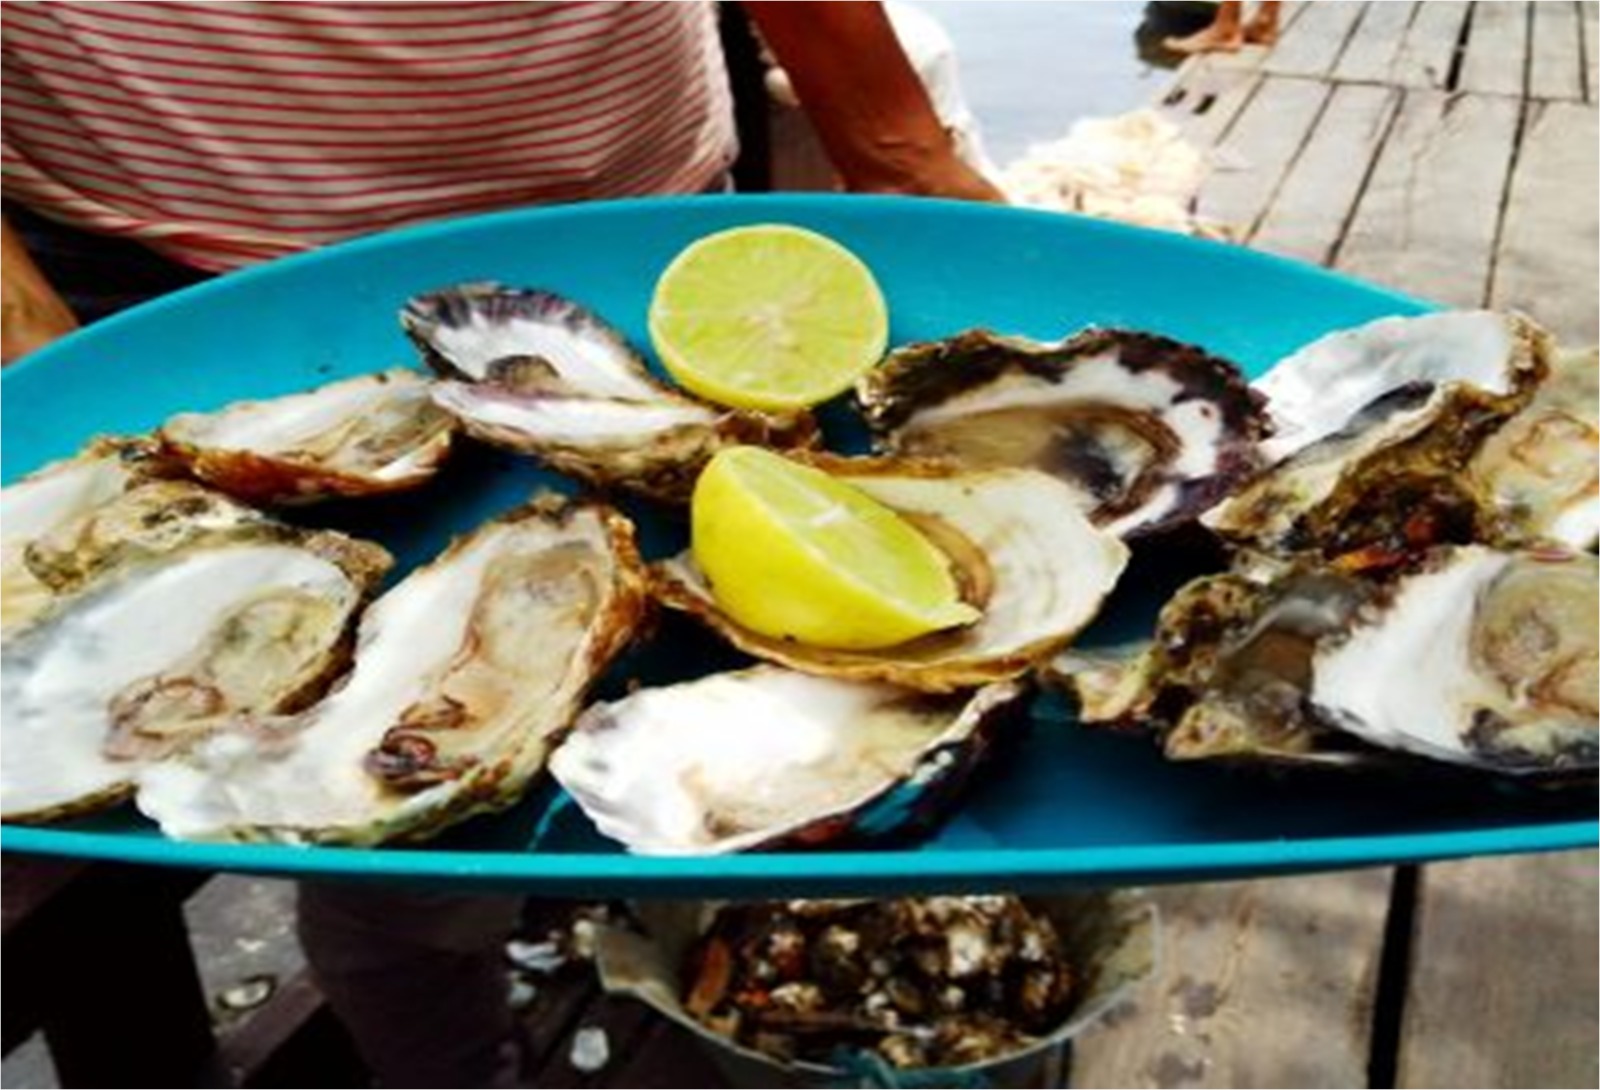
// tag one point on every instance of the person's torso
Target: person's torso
(223, 133)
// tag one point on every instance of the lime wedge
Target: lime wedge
(768, 317)
(792, 552)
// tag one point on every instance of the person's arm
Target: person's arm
(31, 313)
(864, 99)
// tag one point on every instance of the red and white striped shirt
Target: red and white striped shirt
(225, 133)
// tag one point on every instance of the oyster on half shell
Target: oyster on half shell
(152, 649)
(767, 757)
(1542, 469)
(1392, 479)
(1020, 548)
(356, 437)
(539, 374)
(1151, 432)
(45, 503)
(1477, 657)
(465, 674)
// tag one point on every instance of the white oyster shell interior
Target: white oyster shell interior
(372, 433)
(175, 642)
(737, 760)
(1318, 390)
(464, 672)
(1486, 658)
(41, 504)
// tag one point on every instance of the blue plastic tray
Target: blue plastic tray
(1062, 807)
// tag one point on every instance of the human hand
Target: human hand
(935, 175)
(31, 313)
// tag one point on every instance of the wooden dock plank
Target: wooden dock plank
(1264, 984)
(1497, 49)
(1549, 258)
(1375, 44)
(1259, 147)
(1209, 92)
(1314, 204)
(1589, 16)
(1503, 989)
(1555, 55)
(1428, 219)
(1312, 44)
(1428, 50)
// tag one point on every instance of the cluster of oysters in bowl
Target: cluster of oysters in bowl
(1407, 510)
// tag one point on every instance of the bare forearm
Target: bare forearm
(864, 99)
(32, 313)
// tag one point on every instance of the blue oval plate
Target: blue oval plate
(1062, 806)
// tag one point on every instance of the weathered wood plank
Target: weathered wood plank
(1549, 258)
(1371, 51)
(1258, 984)
(1320, 192)
(1589, 15)
(1428, 50)
(1503, 989)
(1259, 147)
(1208, 94)
(1428, 219)
(1555, 55)
(1497, 49)
(1312, 44)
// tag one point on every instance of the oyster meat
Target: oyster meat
(1150, 432)
(1483, 657)
(1022, 552)
(47, 501)
(465, 674)
(151, 652)
(536, 373)
(1542, 470)
(768, 757)
(360, 436)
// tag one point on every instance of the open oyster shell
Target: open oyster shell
(1478, 657)
(539, 374)
(46, 502)
(1022, 552)
(151, 649)
(1391, 478)
(1320, 389)
(465, 673)
(360, 436)
(1542, 469)
(1151, 432)
(767, 757)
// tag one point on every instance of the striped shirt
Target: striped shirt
(220, 134)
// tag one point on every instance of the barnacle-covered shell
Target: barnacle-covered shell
(1542, 469)
(539, 374)
(767, 757)
(1022, 552)
(360, 436)
(152, 649)
(465, 674)
(1150, 431)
